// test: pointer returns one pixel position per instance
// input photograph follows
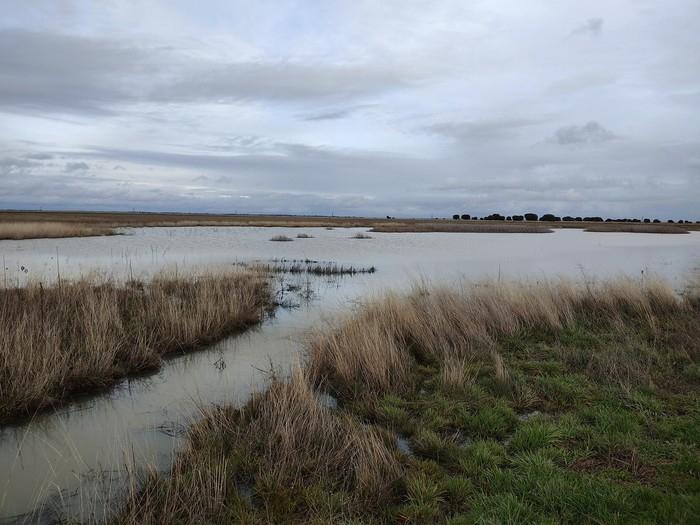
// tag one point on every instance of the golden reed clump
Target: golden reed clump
(50, 230)
(79, 336)
(373, 349)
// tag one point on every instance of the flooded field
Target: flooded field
(73, 460)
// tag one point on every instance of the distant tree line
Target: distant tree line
(550, 217)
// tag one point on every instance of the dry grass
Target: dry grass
(312, 267)
(463, 227)
(80, 336)
(139, 219)
(374, 349)
(283, 441)
(304, 236)
(361, 235)
(49, 230)
(637, 228)
(302, 462)
(281, 238)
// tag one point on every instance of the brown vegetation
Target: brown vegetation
(74, 337)
(433, 365)
(463, 227)
(285, 439)
(110, 220)
(637, 228)
(49, 230)
(311, 267)
(281, 238)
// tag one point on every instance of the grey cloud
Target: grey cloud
(481, 130)
(335, 114)
(51, 72)
(76, 166)
(54, 72)
(39, 156)
(592, 26)
(282, 81)
(589, 133)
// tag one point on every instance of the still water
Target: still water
(73, 459)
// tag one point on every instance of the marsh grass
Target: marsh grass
(73, 337)
(533, 403)
(304, 236)
(312, 268)
(462, 227)
(361, 235)
(281, 238)
(636, 228)
(41, 230)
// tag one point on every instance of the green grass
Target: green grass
(597, 421)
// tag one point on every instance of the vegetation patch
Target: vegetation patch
(281, 238)
(75, 337)
(50, 230)
(495, 403)
(296, 266)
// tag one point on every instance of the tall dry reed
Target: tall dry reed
(78, 336)
(373, 350)
(47, 230)
(281, 442)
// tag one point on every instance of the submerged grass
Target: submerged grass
(312, 267)
(46, 230)
(73, 337)
(494, 403)
(281, 238)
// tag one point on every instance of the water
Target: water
(74, 457)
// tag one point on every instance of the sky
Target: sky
(401, 108)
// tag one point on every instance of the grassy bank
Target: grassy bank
(74, 337)
(638, 228)
(50, 230)
(491, 404)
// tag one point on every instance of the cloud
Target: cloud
(52, 72)
(335, 114)
(481, 130)
(592, 27)
(276, 103)
(589, 133)
(75, 166)
(39, 156)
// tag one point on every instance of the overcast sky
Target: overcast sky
(407, 108)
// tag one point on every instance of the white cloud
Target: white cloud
(352, 107)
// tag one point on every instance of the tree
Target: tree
(531, 217)
(455, 216)
(466, 217)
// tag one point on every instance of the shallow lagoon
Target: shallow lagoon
(76, 456)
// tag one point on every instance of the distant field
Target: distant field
(28, 225)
